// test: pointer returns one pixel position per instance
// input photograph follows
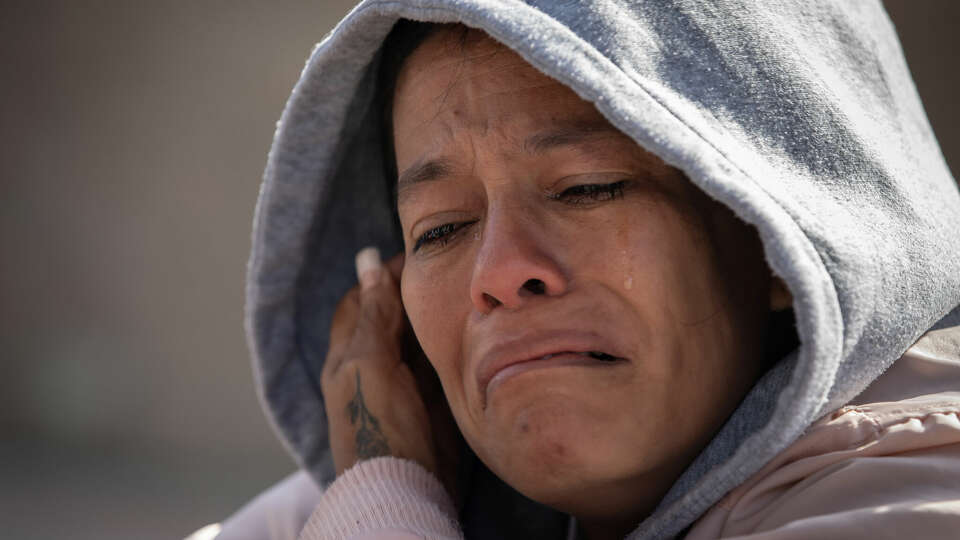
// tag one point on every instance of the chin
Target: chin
(551, 449)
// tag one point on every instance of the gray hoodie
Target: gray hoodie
(799, 115)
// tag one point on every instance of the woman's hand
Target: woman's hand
(374, 395)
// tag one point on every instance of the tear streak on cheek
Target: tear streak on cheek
(625, 264)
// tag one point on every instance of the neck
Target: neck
(605, 530)
(613, 510)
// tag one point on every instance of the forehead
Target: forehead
(462, 76)
(456, 53)
(461, 94)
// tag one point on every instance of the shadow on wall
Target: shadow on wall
(133, 140)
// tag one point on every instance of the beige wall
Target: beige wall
(134, 136)
(132, 141)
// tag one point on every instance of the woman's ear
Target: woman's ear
(780, 297)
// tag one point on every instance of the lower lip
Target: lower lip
(559, 360)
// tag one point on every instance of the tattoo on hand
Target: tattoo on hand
(369, 440)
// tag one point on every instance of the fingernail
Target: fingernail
(369, 267)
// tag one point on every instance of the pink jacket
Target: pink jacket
(887, 465)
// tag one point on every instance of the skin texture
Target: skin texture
(532, 225)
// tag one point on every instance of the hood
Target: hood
(799, 115)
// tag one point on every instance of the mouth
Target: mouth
(551, 360)
(546, 350)
(598, 355)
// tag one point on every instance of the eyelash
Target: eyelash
(575, 195)
(588, 193)
(439, 236)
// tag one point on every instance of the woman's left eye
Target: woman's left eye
(589, 193)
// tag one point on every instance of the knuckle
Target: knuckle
(378, 311)
(334, 380)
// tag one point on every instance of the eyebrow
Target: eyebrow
(424, 171)
(569, 134)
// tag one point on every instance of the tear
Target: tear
(628, 283)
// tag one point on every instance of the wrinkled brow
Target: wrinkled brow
(424, 171)
(563, 135)
(569, 134)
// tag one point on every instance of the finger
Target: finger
(342, 326)
(380, 320)
(369, 265)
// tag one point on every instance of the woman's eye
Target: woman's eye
(439, 236)
(588, 193)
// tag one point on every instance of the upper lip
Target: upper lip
(533, 346)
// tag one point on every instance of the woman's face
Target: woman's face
(592, 316)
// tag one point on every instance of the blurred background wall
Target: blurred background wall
(132, 141)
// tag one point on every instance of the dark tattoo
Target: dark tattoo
(370, 440)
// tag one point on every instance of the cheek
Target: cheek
(663, 261)
(434, 307)
(421, 300)
(643, 253)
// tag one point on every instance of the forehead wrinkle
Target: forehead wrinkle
(473, 63)
(443, 106)
(483, 57)
(511, 90)
(444, 59)
(462, 72)
(571, 133)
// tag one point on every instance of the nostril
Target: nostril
(535, 286)
(491, 301)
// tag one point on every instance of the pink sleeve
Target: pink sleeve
(385, 498)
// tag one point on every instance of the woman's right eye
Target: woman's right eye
(439, 236)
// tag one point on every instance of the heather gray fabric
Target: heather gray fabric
(799, 115)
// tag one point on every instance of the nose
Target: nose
(514, 263)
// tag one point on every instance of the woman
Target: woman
(582, 191)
